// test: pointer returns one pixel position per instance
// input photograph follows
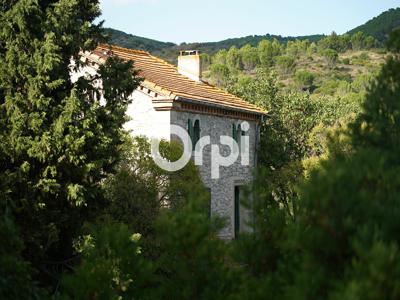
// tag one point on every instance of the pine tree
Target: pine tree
(349, 217)
(57, 140)
(344, 242)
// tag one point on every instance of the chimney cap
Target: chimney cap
(189, 52)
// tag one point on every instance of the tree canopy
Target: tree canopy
(58, 142)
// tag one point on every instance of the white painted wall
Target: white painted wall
(145, 120)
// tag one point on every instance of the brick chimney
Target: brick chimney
(189, 64)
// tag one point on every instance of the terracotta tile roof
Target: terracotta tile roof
(165, 77)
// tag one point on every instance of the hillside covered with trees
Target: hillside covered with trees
(379, 28)
(335, 66)
(125, 40)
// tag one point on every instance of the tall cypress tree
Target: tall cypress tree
(57, 140)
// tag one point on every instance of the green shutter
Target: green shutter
(196, 132)
(239, 136)
(190, 130)
(234, 133)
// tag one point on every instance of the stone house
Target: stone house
(172, 95)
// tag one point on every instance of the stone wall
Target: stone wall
(222, 189)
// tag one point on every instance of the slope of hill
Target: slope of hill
(381, 26)
(169, 51)
(120, 38)
(253, 40)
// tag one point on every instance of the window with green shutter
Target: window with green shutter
(234, 133)
(196, 133)
(239, 136)
(190, 130)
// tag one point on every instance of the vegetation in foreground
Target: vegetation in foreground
(81, 213)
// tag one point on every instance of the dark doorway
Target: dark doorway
(237, 211)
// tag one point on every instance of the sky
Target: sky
(214, 20)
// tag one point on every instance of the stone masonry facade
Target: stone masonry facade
(223, 189)
(146, 121)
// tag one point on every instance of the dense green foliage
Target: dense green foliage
(337, 239)
(112, 266)
(304, 79)
(381, 26)
(57, 141)
(86, 214)
(330, 69)
(15, 273)
(177, 253)
(343, 243)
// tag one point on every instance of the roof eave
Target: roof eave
(216, 105)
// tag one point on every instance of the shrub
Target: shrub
(286, 64)
(140, 190)
(304, 79)
(346, 61)
(331, 57)
(219, 74)
(113, 266)
(15, 273)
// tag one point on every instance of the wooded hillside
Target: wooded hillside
(379, 28)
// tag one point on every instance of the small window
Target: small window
(239, 134)
(236, 135)
(234, 132)
(194, 132)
